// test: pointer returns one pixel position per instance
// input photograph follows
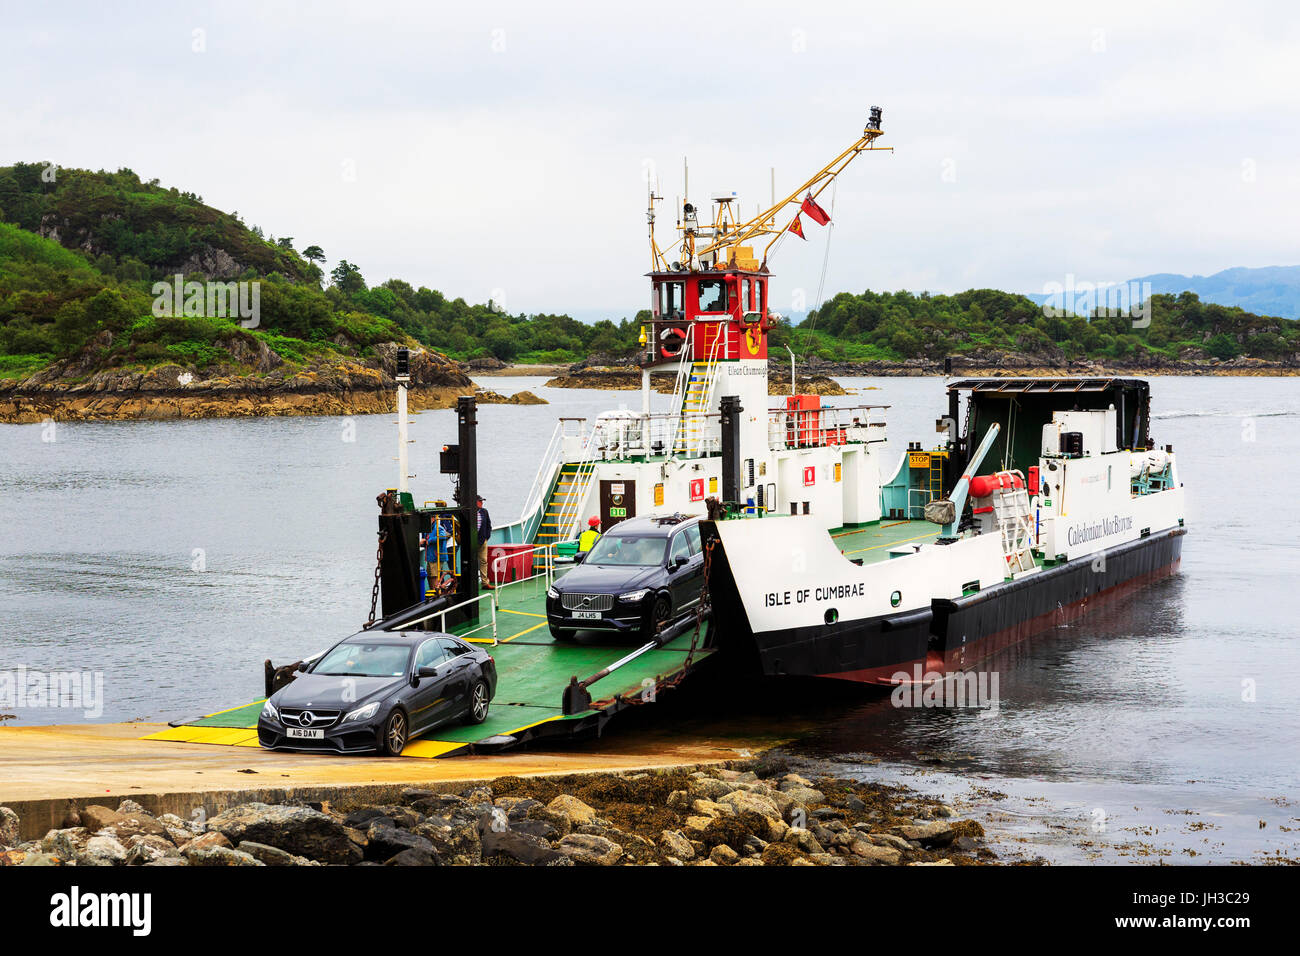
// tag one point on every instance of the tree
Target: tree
(286, 242)
(348, 278)
(314, 254)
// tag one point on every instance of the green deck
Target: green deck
(532, 669)
(871, 542)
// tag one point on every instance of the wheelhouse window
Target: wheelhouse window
(712, 295)
(671, 300)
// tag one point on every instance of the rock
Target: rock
(65, 844)
(102, 851)
(794, 780)
(218, 856)
(943, 810)
(679, 800)
(887, 839)
(754, 845)
(456, 845)
(170, 861)
(676, 844)
(723, 855)
(130, 808)
(273, 855)
(537, 828)
(477, 795)
(750, 861)
(694, 826)
(520, 847)
(207, 841)
(588, 850)
(944, 862)
(707, 808)
(517, 808)
(146, 849)
(742, 801)
(803, 840)
(779, 854)
(572, 809)
(875, 854)
(937, 833)
(94, 817)
(711, 788)
(385, 841)
(39, 858)
(12, 857)
(803, 796)
(8, 827)
(854, 804)
(413, 856)
(298, 830)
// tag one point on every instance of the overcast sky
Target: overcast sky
(474, 147)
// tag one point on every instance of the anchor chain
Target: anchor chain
(374, 592)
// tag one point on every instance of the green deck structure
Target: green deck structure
(532, 672)
(870, 543)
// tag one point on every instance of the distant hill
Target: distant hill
(1268, 290)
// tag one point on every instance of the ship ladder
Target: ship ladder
(1015, 524)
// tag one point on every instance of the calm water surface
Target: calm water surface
(175, 557)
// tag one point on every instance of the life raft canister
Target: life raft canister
(981, 486)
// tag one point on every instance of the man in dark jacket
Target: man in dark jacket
(484, 532)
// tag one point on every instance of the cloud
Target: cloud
(503, 146)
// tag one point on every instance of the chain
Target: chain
(374, 592)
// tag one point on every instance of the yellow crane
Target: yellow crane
(721, 242)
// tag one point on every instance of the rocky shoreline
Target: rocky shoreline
(75, 390)
(752, 813)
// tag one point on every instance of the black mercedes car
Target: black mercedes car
(377, 690)
(641, 573)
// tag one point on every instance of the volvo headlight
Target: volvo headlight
(363, 713)
(553, 594)
(633, 596)
(269, 711)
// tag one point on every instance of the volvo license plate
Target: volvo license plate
(587, 615)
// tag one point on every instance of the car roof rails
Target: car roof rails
(675, 518)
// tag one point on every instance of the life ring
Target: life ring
(671, 341)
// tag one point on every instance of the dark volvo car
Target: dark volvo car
(641, 573)
(377, 690)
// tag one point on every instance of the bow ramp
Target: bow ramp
(533, 674)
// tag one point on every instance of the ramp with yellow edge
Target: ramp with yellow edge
(532, 672)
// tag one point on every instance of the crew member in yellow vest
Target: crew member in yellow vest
(587, 540)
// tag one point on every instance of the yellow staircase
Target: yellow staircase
(695, 400)
(570, 485)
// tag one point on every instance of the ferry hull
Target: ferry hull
(950, 635)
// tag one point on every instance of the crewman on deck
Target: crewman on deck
(484, 532)
(587, 540)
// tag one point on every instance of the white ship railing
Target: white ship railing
(828, 425)
(441, 615)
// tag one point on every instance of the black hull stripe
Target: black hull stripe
(953, 633)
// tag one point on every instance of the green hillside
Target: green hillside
(80, 252)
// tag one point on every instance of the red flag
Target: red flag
(797, 228)
(815, 212)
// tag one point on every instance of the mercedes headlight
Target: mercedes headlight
(633, 596)
(269, 711)
(363, 713)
